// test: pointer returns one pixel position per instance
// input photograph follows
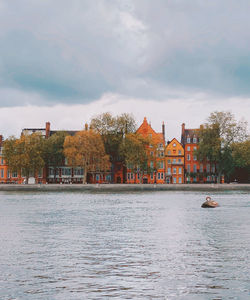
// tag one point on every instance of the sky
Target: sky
(173, 61)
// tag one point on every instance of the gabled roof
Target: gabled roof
(146, 129)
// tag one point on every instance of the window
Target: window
(174, 180)
(2, 161)
(195, 157)
(152, 176)
(201, 168)
(195, 148)
(138, 175)
(162, 154)
(66, 171)
(14, 174)
(188, 168)
(174, 144)
(194, 179)
(180, 180)
(97, 177)
(179, 160)
(195, 169)
(174, 170)
(40, 173)
(180, 170)
(159, 175)
(169, 161)
(188, 148)
(208, 178)
(2, 173)
(8, 174)
(188, 157)
(208, 167)
(213, 168)
(108, 178)
(169, 152)
(169, 171)
(128, 176)
(194, 140)
(78, 171)
(132, 176)
(174, 161)
(152, 153)
(162, 165)
(188, 140)
(151, 164)
(179, 152)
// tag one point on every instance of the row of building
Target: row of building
(172, 162)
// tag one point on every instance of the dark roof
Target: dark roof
(191, 133)
(70, 132)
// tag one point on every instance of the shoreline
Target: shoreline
(124, 187)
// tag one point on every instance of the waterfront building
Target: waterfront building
(196, 171)
(174, 161)
(155, 172)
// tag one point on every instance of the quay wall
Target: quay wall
(123, 187)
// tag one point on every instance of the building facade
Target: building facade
(174, 154)
(155, 172)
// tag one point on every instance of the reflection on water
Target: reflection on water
(159, 245)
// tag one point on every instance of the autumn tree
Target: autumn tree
(24, 155)
(216, 139)
(54, 151)
(133, 149)
(86, 149)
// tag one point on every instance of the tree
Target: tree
(24, 155)
(54, 151)
(216, 139)
(241, 154)
(113, 130)
(86, 149)
(133, 149)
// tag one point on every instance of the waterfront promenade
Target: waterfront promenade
(124, 187)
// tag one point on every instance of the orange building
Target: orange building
(174, 154)
(156, 159)
(196, 171)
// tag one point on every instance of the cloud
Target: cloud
(73, 52)
(192, 110)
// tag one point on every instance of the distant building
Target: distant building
(174, 154)
(156, 159)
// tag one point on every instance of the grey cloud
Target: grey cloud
(75, 51)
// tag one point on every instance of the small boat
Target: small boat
(209, 203)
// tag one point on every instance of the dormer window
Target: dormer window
(194, 140)
(188, 140)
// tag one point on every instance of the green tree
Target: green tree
(241, 154)
(133, 149)
(216, 139)
(54, 151)
(25, 155)
(86, 149)
(113, 130)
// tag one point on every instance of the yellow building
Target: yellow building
(174, 155)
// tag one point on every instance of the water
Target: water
(154, 245)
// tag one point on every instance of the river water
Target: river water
(153, 245)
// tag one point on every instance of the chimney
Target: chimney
(47, 129)
(163, 130)
(183, 129)
(86, 126)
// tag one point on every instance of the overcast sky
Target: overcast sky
(169, 60)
